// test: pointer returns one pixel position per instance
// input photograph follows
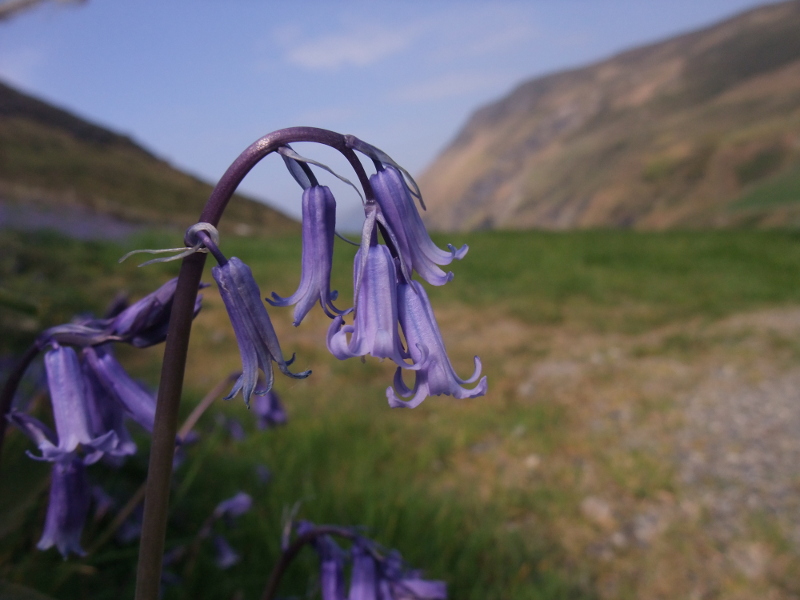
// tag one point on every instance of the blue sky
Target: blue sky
(197, 81)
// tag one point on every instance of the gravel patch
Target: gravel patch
(739, 454)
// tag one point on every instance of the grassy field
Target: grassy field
(592, 342)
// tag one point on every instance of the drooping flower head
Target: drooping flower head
(434, 374)
(376, 574)
(258, 343)
(319, 224)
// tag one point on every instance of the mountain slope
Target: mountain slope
(699, 130)
(49, 157)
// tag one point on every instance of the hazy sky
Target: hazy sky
(196, 81)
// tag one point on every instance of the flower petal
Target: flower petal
(135, 400)
(258, 343)
(67, 509)
(415, 245)
(375, 329)
(435, 374)
(319, 223)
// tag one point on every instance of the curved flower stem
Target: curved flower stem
(269, 143)
(10, 388)
(288, 555)
(156, 505)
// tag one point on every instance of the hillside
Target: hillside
(55, 160)
(699, 130)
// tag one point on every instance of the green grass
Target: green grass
(783, 189)
(412, 478)
(625, 281)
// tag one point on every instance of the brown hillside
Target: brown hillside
(699, 130)
(51, 158)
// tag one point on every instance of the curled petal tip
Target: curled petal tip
(460, 253)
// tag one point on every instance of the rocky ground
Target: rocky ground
(678, 470)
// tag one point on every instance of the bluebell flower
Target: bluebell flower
(234, 506)
(106, 412)
(258, 343)
(434, 373)
(399, 583)
(269, 410)
(68, 507)
(375, 327)
(319, 223)
(263, 474)
(364, 577)
(118, 386)
(331, 563)
(144, 323)
(332, 560)
(417, 250)
(224, 555)
(376, 574)
(235, 429)
(70, 409)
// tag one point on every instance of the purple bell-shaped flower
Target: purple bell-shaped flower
(319, 223)
(269, 410)
(68, 396)
(118, 385)
(144, 323)
(364, 578)
(416, 247)
(375, 329)
(434, 373)
(258, 343)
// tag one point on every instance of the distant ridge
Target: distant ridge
(701, 130)
(54, 160)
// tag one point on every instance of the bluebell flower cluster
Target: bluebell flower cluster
(392, 317)
(92, 398)
(376, 574)
(399, 304)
